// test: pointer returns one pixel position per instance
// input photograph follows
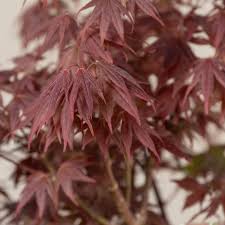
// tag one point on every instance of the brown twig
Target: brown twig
(144, 208)
(128, 182)
(160, 201)
(119, 199)
(23, 167)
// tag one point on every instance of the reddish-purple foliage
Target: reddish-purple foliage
(126, 86)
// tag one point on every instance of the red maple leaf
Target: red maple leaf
(32, 18)
(146, 6)
(143, 133)
(106, 12)
(62, 29)
(198, 191)
(71, 91)
(92, 46)
(205, 75)
(69, 173)
(123, 87)
(214, 27)
(40, 187)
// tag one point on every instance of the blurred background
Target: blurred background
(10, 47)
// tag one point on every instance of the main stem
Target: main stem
(119, 199)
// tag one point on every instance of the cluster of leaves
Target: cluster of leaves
(126, 86)
(205, 178)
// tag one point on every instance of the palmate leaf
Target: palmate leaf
(147, 7)
(62, 28)
(124, 88)
(71, 90)
(106, 13)
(143, 134)
(167, 104)
(37, 23)
(205, 75)
(172, 145)
(198, 191)
(214, 27)
(188, 183)
(111, 12)
(40, 188)
(92, 46)
(102, 138)
(210, 162)
(170, 56)
(132, 131)
(71, 172)
(34, 17)
(196, 197)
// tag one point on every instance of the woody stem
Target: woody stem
(119, 199)
(129, 182)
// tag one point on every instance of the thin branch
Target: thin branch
(148, 183)
(117, 194)
(160, 201)
(23, 167)
(128, 182)
(96, 217)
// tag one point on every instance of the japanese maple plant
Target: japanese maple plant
(108, 93)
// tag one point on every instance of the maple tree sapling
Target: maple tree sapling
(125, 95)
